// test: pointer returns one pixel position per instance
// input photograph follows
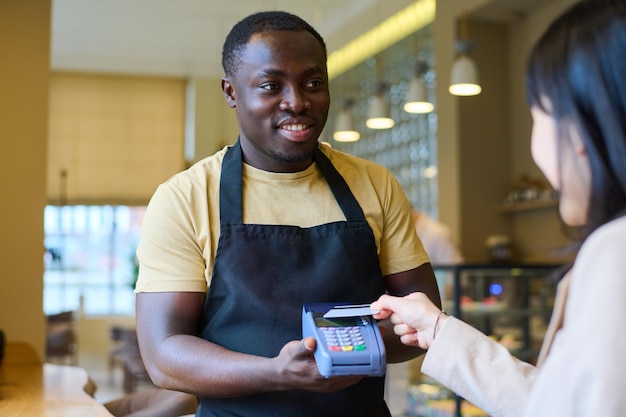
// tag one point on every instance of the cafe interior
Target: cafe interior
(103, 101)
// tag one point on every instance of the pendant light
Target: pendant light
(344, 124)
(416, 97)
(379, 110)
(464, 75)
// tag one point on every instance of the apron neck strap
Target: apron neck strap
(346, 200)
(231, 187)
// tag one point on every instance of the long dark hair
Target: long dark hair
(577, 73)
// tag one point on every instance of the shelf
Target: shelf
(505, 311)
(527, 206)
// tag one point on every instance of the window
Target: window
(409, 149)
(90, 258)
(99, 133)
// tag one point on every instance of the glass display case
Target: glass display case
(510, 303)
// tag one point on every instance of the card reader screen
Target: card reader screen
(320, 321)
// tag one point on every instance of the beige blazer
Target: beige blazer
(556, 321)
(581, 367)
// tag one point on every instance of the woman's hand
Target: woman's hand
(415, 317)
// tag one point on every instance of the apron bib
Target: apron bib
(262, 276)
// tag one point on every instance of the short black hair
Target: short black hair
(241, 33)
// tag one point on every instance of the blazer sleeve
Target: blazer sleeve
(479, 369)
(585, 371)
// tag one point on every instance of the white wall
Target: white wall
(484, 141)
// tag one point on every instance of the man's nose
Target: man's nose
(295, 100)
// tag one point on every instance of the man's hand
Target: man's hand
(298, 370)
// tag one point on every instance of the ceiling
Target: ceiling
(505, 11)
(184, 37)
(173, 37)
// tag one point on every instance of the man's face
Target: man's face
(280, 93)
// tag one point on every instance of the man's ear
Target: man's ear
(229, 92)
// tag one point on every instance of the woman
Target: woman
(577, 95)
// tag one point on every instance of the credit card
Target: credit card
(350, 311)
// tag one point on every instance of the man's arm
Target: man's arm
(420, 279)
(177, 359)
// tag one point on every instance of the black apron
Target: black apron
(262, 276)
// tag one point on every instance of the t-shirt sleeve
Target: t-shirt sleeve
(400, 248)
(169, 253)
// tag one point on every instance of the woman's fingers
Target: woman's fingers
(403, 329)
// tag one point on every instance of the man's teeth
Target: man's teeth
(293, 127)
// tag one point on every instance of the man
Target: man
(233, 247)
(437, 240)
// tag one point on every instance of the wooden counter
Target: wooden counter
(30, 388)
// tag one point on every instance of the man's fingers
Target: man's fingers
(309, 344)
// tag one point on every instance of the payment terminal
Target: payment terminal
(348, 339)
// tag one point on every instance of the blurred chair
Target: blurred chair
(155, 402)
(125, 353)
(61, 345)
(118, 338)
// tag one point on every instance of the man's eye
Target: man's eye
(314, 84)
(269, 86)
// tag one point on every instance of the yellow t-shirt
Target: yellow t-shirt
(181, 226)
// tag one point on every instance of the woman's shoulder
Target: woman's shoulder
(601, 262)
(608, 238)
